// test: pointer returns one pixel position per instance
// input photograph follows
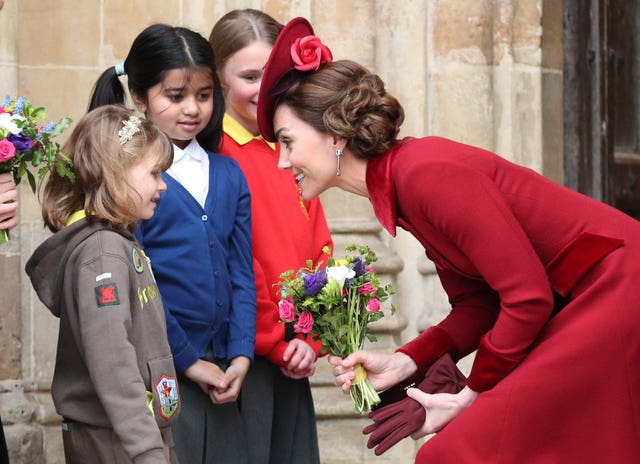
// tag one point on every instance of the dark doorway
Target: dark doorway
(601, 46)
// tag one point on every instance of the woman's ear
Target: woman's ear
(339, 142)
(139, 102)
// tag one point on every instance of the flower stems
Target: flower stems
(362, 393)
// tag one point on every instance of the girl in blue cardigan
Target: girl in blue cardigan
(199, 240)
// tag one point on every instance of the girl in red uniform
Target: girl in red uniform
(276, 403)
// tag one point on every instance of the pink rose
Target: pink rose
(308, 52)
(373, 305)
(287, 310)
(7, 150)
(304, 324)
(367, 289)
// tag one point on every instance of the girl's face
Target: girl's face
(145, 182)
(311, 155)
(241, 77)
(181, 105)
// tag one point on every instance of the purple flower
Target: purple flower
(358, 266)
(21, 142)
(313, 283)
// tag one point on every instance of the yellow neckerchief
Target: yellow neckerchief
(237, 132)
(75, 217)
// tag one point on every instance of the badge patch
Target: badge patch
(167, 392)
(106, 275)
(138, 265)
(107, 295)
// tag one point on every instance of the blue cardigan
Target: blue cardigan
(207, 301)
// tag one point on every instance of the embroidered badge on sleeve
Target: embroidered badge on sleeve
(137, 260)
(167, 391)
(107, 295)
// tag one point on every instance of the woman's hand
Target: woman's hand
(383, 370)
(300, 358)
(228, 389)
(441, 408)
(8, 203)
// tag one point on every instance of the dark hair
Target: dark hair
(237, 29)
(345, 99)
(100, 161)
(158, 49)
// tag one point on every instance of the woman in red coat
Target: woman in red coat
(543, 281)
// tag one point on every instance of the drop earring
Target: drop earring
(338, 155)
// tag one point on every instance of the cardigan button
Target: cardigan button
(205, 218)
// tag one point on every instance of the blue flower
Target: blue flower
(358, 266)
(21, 142)
(47, 129)
(18, 106)
(6, 101)
(313, 283)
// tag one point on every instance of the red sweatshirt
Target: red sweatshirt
(287, 231)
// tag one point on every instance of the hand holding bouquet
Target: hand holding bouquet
(24, 142)
(336, 303)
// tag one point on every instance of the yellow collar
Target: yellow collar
(237, 132)
(75, 217)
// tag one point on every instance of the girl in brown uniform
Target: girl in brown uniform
(114, 382)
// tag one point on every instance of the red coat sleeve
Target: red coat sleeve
(489, 267)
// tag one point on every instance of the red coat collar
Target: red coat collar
(381, 189)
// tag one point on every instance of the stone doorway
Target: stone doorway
(602, 100)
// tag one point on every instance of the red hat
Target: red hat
(296, 52)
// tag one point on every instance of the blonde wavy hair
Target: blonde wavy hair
(100, 163)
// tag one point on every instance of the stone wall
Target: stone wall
(485, 72)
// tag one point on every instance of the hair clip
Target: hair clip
(130, 127)
(120, 69)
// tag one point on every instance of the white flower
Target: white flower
(339, 274)
(8, 121)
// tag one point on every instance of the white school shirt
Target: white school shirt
(191, 168)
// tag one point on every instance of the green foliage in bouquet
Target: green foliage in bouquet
(335, 304)
(24, 142)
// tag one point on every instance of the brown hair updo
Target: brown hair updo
(345, 99)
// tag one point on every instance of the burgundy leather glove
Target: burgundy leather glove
(399, 419)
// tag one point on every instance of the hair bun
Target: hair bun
(368, 117)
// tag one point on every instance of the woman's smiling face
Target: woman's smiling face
(311, 155)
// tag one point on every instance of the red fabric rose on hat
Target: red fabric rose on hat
(309, 52)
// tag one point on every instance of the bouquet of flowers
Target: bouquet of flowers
(24, 142)
(336, 303)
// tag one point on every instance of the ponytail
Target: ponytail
(107, 90)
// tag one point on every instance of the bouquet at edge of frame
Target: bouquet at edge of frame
(335, 304)
(25, 141)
